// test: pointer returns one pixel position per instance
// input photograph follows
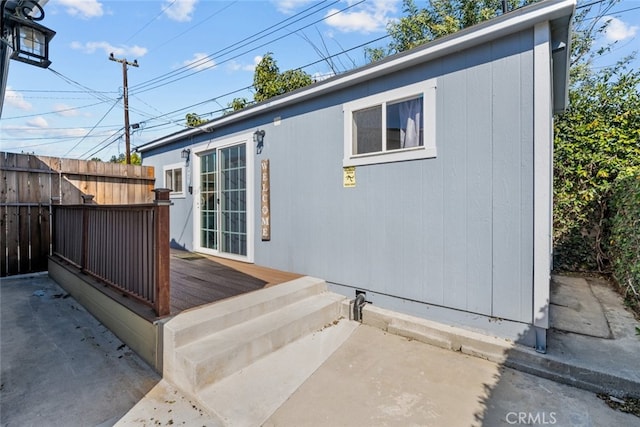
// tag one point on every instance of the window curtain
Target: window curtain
(410, 121)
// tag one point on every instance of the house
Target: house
(423, 180)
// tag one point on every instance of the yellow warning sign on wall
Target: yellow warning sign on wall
(349, 176)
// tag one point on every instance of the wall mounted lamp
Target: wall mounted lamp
(30, 40)
(185, 155)
(258, 138)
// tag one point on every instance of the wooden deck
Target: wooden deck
(198, 279)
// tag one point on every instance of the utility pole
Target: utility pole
(125, 85)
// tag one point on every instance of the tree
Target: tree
(269, 82)
(439, 18)
(194, 120)
(135, 159)
(238, 104)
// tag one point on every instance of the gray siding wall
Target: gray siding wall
(181, 211)
(454, 231)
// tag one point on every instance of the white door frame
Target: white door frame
(205, 148)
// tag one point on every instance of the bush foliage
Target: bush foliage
(597, 143)
(623, 246)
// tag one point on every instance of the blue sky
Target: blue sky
(193, 55)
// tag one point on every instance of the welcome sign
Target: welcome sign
(265, 201)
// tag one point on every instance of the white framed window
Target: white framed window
(391, 126)
(174, 179)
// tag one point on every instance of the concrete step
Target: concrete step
(250, 396)
(209, 359)
(199, 323)
(574, 374)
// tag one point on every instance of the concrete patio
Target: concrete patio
(61, 367)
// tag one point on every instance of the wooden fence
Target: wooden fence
(124, 246)
(30, 184)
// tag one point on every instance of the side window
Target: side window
(391, 126)
(174, 179)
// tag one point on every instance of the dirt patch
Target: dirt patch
(629, 405)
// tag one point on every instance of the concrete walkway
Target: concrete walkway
(59, 366)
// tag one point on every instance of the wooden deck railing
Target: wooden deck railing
(124, 246)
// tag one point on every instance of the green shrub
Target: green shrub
(597, 142)
(624, 241)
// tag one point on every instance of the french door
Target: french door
(223, 200)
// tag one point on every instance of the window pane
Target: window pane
(168, 181)
(367, 130)
(405, 124)
(177, 180)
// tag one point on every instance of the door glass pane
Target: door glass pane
(233, 205)
(208, 202)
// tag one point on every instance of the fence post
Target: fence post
(163, 282)
(87, 199)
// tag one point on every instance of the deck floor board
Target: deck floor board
(202, 279)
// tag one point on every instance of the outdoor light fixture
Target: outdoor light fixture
(30, 40)
(185, 155)
(258, 138)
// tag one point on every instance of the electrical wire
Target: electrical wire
(143, 87)
(94, 93)
(92, 129)
(151, 21)
(217, 12)
(119, 135)
(52, 112)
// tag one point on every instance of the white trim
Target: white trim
(512, 22)
(174, 166)
(542, 173)
(426, 89)
(209, 146)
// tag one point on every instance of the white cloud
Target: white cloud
(179, 10)
(38, 122)
(15, 99)
(236, 66)
(83, 8)
(119, 51)
(200, 62)
(65, 110)
(618, 30)
(365, 18)
(289, 6)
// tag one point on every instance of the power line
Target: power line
(151, 21)
(92, 129)
(143, 87)
(251, 49)
(582, 6)
(96, 94)
(57, 91)
(191, 107)
(53, 112)
(86, 155)
(193, 26)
